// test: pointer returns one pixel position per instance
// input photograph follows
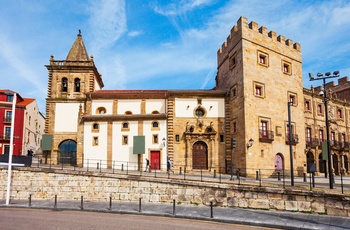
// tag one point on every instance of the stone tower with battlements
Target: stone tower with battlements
(69, 83)
(263, 72)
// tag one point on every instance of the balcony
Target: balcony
(7, 119)
(266, 136)
(295, 139)
(312, 142)
(339, 145)
(5, 137)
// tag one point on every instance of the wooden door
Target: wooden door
(155, 160)
(278, 162)
(200, 156)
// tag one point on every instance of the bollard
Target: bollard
(211, 209)
(98, 166)
(259, 175)
(55, 206)
(278, 176)
(180, 171)
(310, 181)
(81, 203)
(140, 204)
(122, 167)
(110, 204)
(341, 182)
(30, 200)
(214, 173)
(256, 175)
(304, 177)
(174, 213)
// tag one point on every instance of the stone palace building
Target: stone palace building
(259, 79)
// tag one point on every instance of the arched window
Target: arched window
(155, 124)
(155, 112)
(101, 110)
(125, 125)
(95, 126)
(64, 84)
(77, 85)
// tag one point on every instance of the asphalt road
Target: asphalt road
(38, 219)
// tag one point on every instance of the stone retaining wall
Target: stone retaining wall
(71, 185)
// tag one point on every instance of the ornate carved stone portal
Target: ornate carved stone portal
(200, 140)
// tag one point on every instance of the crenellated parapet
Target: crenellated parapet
(260, 35)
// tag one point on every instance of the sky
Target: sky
(159, 44)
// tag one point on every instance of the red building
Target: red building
(6, 97)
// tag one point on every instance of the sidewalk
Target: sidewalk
(264, 218)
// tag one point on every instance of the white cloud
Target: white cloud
(107, 21)
(180, 7)
(135, 33)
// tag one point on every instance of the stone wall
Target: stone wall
(71, 185)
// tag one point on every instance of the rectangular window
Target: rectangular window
(177, 138)
(234, 127)
(95, 141)
(320, 135)
(340, 113)
(263, 59)
(232, 61)
(307, 106)
(319, 109)
(8, 116)
(333, 138)
(259, 89)
(286, 67)
(292, 97)
(7, 132)
(221, 138)
(308, 135)
(9, 98)
(155, 139)
(287, 130)
(264, 129)
(343, 137)
(125, 140)
(199, 101)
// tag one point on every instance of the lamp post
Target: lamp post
(290, 145)
(14, 99)
(325, 100)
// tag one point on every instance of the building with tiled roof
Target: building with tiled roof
(258, 116)
(29, 124)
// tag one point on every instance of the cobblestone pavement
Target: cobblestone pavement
(264, 218)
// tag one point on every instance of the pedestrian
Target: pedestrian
(169, 165)
(147, 165)
(30, 153)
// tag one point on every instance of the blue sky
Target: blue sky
(159, 44)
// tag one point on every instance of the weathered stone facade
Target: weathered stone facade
(44, 185)
(259, 80)
(263, 73)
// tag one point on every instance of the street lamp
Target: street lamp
(290, 145)
(325, 100)
(14, 99)
(250, 143)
